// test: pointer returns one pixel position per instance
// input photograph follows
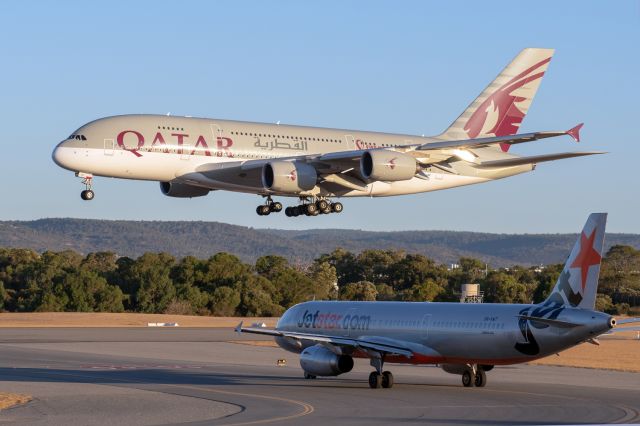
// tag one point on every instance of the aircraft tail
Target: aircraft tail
(501, 107)
(578, 283)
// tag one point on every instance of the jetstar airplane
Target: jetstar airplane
(192, 156)
(464, 338)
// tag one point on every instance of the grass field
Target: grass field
(621, 352)
(90, 319)
(8, 400)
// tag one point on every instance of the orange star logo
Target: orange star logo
(587, 257)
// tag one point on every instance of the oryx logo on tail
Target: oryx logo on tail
(499, 114)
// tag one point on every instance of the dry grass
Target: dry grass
(622, 354)
(8, 400)
(90, 319)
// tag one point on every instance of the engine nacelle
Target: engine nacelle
(182, 190)
(385, 165)
(288, 176)
(319, 361)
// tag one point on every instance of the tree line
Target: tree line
(223, 285)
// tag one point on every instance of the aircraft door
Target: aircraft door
(347, 321)
(109, 147)
(351, 142)
(424, 326)
(219, 143)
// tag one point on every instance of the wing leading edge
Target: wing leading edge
(381, 345)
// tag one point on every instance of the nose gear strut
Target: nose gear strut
(87, 180)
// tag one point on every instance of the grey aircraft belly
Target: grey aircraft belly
(464, 338)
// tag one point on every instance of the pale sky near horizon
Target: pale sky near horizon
(401, 66)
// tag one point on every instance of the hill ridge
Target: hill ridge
(203, 239)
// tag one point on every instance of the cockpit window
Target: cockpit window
(78, 137)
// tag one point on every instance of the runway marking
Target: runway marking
(102, 367)
(306, 407)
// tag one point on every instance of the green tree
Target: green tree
(151, 281)
(225, 301)
(362, 290)
(499, 287)
(424, 292)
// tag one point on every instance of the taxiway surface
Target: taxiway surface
(139, 376)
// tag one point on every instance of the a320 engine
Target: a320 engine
(319, 361)
(381, 164)
(288, 176)
(175, 189)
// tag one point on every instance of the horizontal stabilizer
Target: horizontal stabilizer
(518, 161)
(551, 322)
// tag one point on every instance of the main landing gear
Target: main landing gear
(320, 206)
(87, 180)
(380, 379)
(307, 208)
(269, 207)
(474, 375)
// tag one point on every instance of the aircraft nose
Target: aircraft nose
(61, 156)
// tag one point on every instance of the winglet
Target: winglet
(238, 328)
(575, 132)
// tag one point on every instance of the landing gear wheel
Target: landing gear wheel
(387, 379)
(337, 207)
(309, 376)
(468, 378)
(287, 212)
(375, 380)
(311, 209)
(263, 210)
(295, 211)
(480, 379)
(87, 195)
(275, 207)
(322, 205)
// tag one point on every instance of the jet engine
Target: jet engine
(182, 190)
(319, 361)
(288, 176)
(385, 165)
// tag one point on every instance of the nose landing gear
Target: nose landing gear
(87, 180)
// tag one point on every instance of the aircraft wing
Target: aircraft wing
(343, 167)
(381, 345)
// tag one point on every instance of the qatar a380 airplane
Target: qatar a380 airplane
(463, 338)
(192, 156)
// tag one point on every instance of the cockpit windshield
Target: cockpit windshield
(78, 137)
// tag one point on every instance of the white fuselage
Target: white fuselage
(165, 148)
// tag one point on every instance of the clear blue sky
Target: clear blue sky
(385, 66)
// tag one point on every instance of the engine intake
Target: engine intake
(382, 164)
(182, 190)
(288, 176)
(319, 361)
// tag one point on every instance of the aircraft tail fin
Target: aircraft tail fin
(501, 107)
(578, 283)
